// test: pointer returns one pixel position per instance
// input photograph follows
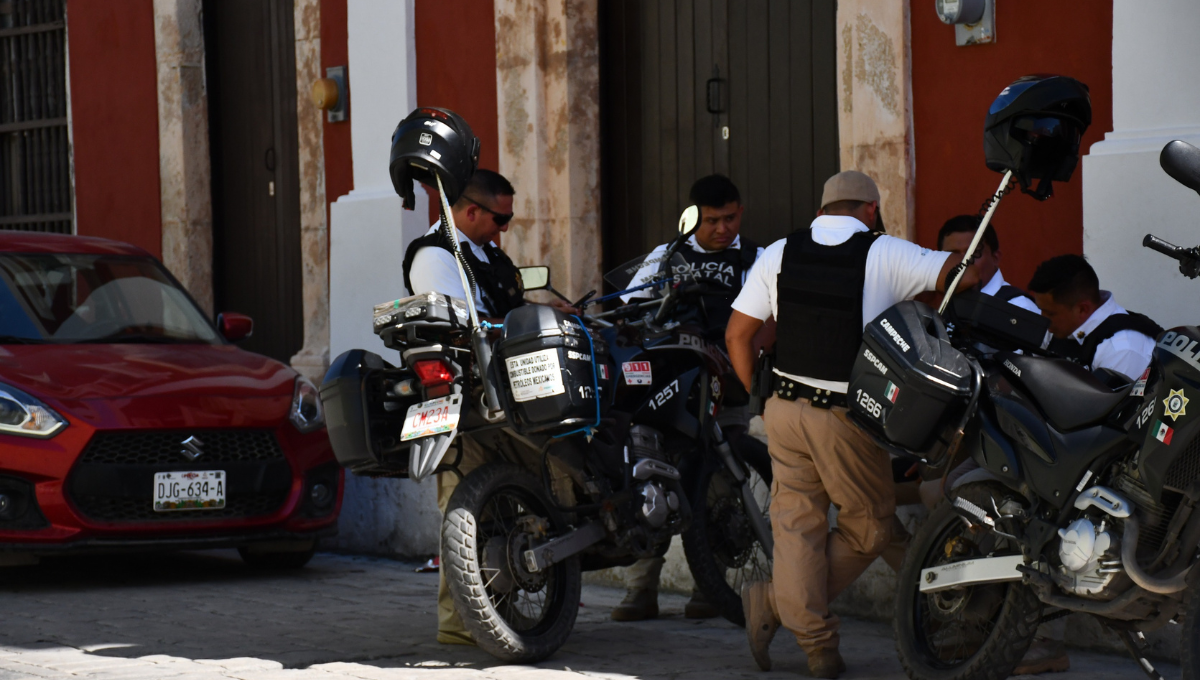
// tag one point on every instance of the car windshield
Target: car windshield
(55, 298)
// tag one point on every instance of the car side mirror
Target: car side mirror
(535, 278)
(235, 327)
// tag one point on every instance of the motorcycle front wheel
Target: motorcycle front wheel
(721, 547)
(973, 633)
(497, 512)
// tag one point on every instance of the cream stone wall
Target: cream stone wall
(183, 158)
(312, 359)
(548, 87)
(875, 103)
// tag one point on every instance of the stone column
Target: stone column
(875, 103)
(1125, 193)
(184, 166)
(368, 235)
(313, 357)
(548, 90)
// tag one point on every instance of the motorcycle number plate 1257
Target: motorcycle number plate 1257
(187, 490)
(428, 418)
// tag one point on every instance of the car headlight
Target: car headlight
(306, 414)
(23, 415)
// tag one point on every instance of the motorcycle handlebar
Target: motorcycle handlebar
(1155, 243)
(1188, 258)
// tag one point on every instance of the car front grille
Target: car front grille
(113, 479)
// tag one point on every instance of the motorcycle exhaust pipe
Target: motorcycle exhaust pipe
(1161, 586)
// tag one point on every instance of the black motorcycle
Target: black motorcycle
(1085, 497)
(601, 440)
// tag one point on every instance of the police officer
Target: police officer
(823, 284)
(955, 236)
(720, 257)
(1089, 324)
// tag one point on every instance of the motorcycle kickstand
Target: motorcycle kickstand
(1137, 650)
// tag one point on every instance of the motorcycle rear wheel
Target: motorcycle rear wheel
(1189, 637)
(513, 614)
(720, 545)
(973, 633)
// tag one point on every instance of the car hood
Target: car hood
(69, 373)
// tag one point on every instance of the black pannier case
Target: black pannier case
(998, 324)
(908, 383)
(546, 366)
(364, 433)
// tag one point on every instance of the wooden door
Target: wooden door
(745, 88)
(253, 136)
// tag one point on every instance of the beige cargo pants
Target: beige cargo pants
(819, 458)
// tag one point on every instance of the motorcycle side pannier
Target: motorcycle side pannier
(363, 426)
(909, 384)
(547, 370)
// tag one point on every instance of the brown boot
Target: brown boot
(639, 604)
(699, 607)
(1044, 656)
(825, 662)
(758, 605)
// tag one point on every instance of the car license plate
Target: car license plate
(431, 417)
(200, 490)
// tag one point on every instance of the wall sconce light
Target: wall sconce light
(332, 94)
(974, 21)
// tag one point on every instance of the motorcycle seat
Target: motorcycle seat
(1067, 393)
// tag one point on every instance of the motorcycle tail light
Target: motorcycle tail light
(433, 373)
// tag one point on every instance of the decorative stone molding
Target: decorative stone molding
(875, 123)
(183, 156)
(313, 358)
(548, 92)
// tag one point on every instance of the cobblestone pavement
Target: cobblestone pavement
(206, 616)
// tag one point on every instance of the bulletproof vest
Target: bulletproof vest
(820, 294)
(498, 280)
(1085, 353)
(722, 273)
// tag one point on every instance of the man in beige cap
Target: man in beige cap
(823, 285)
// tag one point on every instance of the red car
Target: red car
(128, 420)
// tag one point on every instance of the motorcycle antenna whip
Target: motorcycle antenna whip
(479, 343)
(983, 224)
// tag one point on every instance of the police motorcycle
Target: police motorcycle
(599, 430)
(1087, 484)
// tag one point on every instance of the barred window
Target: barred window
(35, 156)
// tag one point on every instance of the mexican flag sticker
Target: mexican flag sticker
(1163, 433)
(892, 392)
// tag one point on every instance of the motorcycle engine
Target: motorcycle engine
(651, 467)
(1091, 557)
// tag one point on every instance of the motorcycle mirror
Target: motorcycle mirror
(535, 278)
(688, 220)
(1181, 161)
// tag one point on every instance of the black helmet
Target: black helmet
(432, 141)
(1034, 127)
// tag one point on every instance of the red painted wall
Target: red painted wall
(339, 166)
(456, 69)
(114, 120)
(952, 89)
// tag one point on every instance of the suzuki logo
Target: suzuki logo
(192, 449)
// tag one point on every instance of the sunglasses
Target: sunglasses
(500, 219)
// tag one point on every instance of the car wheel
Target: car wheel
(259, 558)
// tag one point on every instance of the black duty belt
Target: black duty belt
(791, 390)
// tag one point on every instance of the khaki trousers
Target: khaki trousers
(819, 458)
(450, 626)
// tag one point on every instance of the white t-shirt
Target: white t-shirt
(1021, 301)
(896, 271)
(1126, 352)
(647, 272)
(434, 270)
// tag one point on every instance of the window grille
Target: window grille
(35, 156)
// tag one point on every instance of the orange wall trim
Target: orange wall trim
(952, 88)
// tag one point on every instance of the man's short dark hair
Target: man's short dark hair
(1068, 279)
(968, 224)
(714, 191)
(488, 184)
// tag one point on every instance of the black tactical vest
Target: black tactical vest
(722, 272)
(498, 280)
(820, 293)
(1085, 353)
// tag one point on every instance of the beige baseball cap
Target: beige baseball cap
(849, 185)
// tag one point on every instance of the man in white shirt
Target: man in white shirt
(955, 237)
(823, 284)
(1091, 327)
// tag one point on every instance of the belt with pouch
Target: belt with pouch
(791, 390)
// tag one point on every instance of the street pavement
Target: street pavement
(202, 616)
